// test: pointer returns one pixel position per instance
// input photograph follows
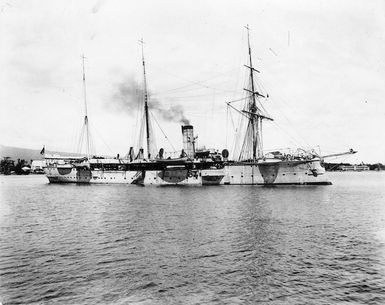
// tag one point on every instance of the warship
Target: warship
(249, 165)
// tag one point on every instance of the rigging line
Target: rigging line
(188, 88)
(286, 118)
(227, 122)
(99, 135)
(241, 99)
(213, 105)
(229, 114)
(80, 142)
(232, 121)
(92, 144)
(276, 148)
(241, 60)
(139, 115)
(74, 137)
(291, 138)
(260, 103)
(141, 131)
(181, 91)
(342, 161)
(238, 135)
(190, 96)
(182, 87)
(156, 121)
(265, 112)
(330, 151)
(292, 126)
(190, 81)
(176, 76)
(263, 87)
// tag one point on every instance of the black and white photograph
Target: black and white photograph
(192, 152)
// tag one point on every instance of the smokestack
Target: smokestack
(188, 141)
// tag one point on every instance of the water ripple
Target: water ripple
(70, 244)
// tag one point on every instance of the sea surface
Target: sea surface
(126, 244)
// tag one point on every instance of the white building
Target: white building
(37, 166)
(355, 167)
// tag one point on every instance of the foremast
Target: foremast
(150, 142)
(252, 147)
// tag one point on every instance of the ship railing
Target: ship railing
(290, 154)
(172, 154)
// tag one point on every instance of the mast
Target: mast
(253, 137)
(253, 122)
(146, 103)
(86, 127)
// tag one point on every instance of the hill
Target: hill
(27, 154)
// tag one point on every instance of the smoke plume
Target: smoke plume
(174, 113)
(129, 95)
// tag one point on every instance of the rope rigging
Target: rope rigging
(156, 121)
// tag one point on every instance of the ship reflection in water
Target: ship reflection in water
(119, 244)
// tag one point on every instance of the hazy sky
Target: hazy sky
(322, 63)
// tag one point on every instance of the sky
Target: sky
(321, 62)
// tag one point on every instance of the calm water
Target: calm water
(118, 244)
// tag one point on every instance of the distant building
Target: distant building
(37, 166)
(354, 167)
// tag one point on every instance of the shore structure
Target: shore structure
(249, 165)
(354, 167)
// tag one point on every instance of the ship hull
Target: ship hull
(86, 176)
(237, 173)
(276, 173)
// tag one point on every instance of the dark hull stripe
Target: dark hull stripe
(180, 184)
(287, 183)
(298, 183)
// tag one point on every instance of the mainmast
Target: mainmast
(86, 127)
(253, 108)
(253, 136)
(146, 104)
